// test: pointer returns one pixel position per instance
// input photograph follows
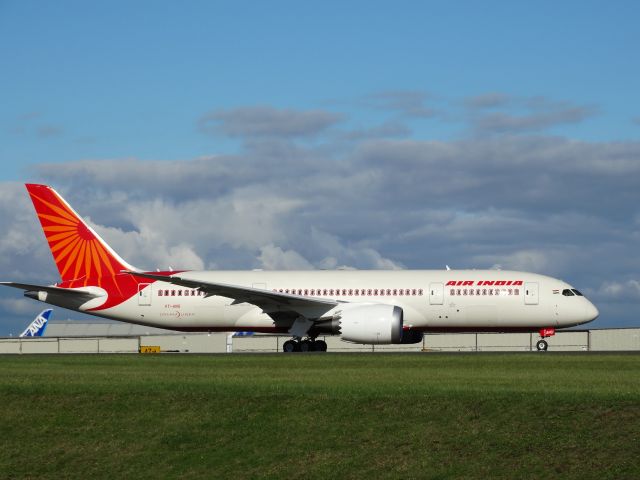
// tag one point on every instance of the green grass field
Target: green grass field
(321, 416)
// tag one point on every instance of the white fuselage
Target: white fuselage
(432, 300)
(361, 306)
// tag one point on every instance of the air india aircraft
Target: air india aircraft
(368, 307)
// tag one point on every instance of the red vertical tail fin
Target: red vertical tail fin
(82, 257)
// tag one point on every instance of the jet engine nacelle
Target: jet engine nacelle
(373, 323)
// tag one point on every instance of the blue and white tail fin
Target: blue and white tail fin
(39, 324)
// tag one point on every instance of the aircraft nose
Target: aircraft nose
(591, 312)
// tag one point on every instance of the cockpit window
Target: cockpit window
(576, 292)
(567, 293)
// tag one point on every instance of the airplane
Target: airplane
(39, 324)
(359, 306)
(243, 334)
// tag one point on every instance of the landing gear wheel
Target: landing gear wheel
(290, 346)
(321, 346)
(542, 345)
(307, 346)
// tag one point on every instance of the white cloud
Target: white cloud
(616, 290)
(19, 306)
(551, 205)
(275, 258)
(539, 261)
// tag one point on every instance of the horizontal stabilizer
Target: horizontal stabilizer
(79, 294)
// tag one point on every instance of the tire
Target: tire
(290, 346)
(306, 346)
(542, 345)
(321, 346)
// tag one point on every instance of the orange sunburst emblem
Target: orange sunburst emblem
(81, 256)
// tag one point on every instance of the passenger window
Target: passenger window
(567, 293)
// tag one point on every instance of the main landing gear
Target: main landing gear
(307, 345)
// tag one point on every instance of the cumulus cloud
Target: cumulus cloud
(19, 306)
(508, 172)
(338, 254)
(274, 258)
(149, 248)
(384, 204)
(615, 290)
(22, 243)
(551, 205)
(267, 121)
(531, 260)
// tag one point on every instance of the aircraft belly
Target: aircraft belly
(478, 316)
(482, 315)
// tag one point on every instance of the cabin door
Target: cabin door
(144, 294)
(436, 294)
(531, 293)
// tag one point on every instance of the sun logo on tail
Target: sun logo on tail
(81, 256)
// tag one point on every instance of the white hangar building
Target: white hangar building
(115, 337)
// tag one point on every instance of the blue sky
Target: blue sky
(291, 85)
(121, 79)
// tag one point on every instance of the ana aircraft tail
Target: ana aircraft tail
(82, 257)
(38, 326)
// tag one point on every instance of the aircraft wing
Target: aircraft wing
(270, 302)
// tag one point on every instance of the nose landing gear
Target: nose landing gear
(542, 344)
(306, 345)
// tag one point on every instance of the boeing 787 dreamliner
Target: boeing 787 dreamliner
(369, 307)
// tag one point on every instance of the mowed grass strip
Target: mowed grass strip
(320, 416)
